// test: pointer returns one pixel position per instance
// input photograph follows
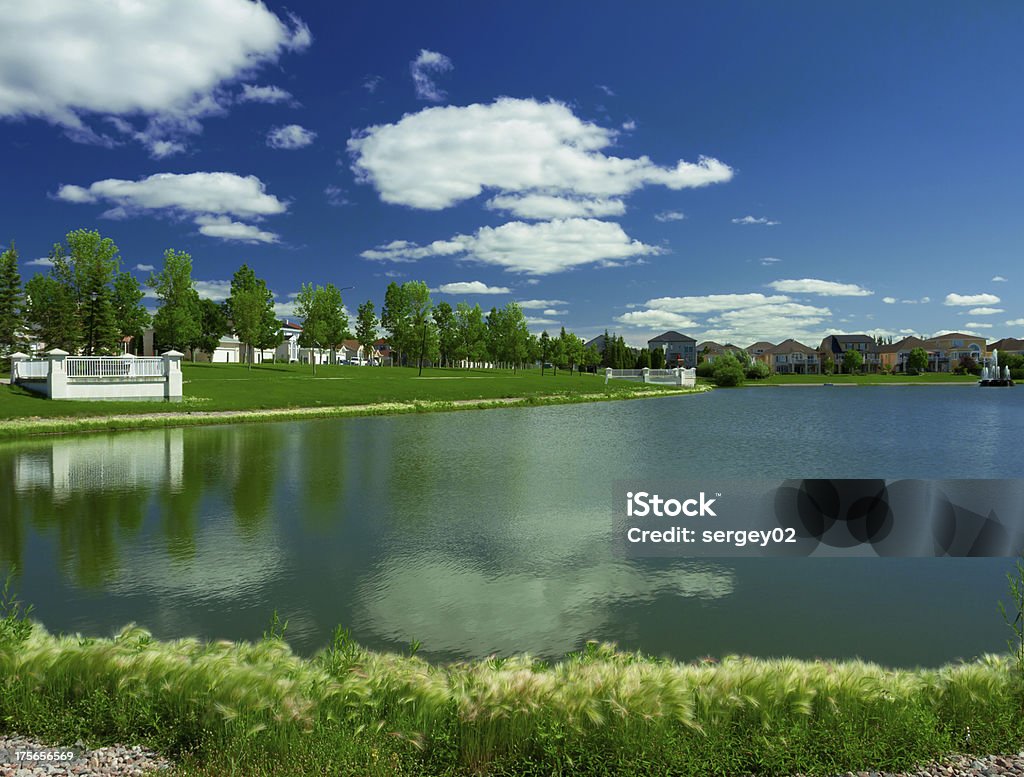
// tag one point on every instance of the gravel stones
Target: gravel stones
(38, 760)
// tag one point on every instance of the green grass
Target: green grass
(257, 709)
(223, 387)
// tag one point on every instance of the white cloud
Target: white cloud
(966, 300)
(534, 249)
(290, 137)
(512, 146)
(472, 287)
(166, 61)
(553, 312)
(539, 304)
(285, 309)
(371, 83)
(976, 325)
(545, 206)
(656, 319)
(925, 300)
(984, 311)
(264, 94)
(824, 288)
(606, 89)
(226, 229)
(218, 291)
(669, 215)
(998, 279)
(759, 220)
(427, 65)
(1015, 322)
(336, 196)
(536, 321)
(889, 300)
(42, 261)
(768, 261)
(714, 302)
(188, 193)
(629, 126)
(144, 267)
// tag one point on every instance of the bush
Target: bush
(727, 371)
(705, 369)
(758, 371)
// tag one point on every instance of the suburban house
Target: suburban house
(288, 350)
(793, 358)
(709, 349)
(893, 356)
(946, 351)
(1007, 345)
(597, 342)
(759, 351)
(836, 346)
(680, 350)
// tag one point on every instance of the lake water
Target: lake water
(490, 532)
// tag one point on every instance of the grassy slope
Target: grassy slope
(216, 387)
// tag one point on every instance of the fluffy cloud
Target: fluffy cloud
(423, 68)
(538, 321)
(512, 146)
(263, 94)
(1015, 322)
(553, 312)
(714, 302)
(336, 196)
(998, 279)
(290, 137)
(226, 229)
(669, 215)
(889, 300)
(43, 261)
(976, 325)
(539, 304)
(545, 206)
(759, 220)
(371, 83)
(472, 287)
(824, 288)
(768, 261)
(534, 249)
(65, 61)
(984, 311)
(656, 319)
(144, 267)
(218, 291)
(208, 198)
(966, 300)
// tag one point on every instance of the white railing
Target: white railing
(103, 367)
(31, 370)
(677, 376)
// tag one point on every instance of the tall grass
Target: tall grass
(241, 708)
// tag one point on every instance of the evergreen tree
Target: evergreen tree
(394, 317)
(658, 358)
(545, 349)
(11, 321)
(366, 328)
(89, 266)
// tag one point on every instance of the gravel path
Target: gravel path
(24, 757)
(122, 761)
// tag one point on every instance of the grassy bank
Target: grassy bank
(257, 709)
(925, 379)
(213, 392)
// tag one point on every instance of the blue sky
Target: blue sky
(737, 171)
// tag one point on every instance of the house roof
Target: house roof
(903, 345)
(957, 335)
(1008, 344)
(290, 325)
(671, 337)
(763, 345)
(352, 345)
(791, 346)
(711, 345)
(596, 341)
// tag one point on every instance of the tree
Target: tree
(917, 361)
(447, 332)
(545, 349)
(11, 321)
(643, 359)
(176, 323)
(572, 346)
(420, 308)
(130, 317)
(394, 317)
(89, 265)
(852, 360)
(366, 328)
(828, 365)
(251, 310)
(727, 370)
(213, 325)
(658, 358)
(471, 340)
(51, 311)
(591, 356)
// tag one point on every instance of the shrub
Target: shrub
(727, 371)
(758, 371)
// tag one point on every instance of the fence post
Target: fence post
(57, 379)
(647, 374)
(679, 376)
(131, 364)
(172, 375)
(15, 359)
(607, 375)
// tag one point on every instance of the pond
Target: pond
(490, 532)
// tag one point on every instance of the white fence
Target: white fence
(62, 376)
(674, 377)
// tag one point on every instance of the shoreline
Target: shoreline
(36, 426)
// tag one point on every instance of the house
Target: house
(680, 350)
(288, 350)
(894, 356)
(835, 347)
(384, 353)
(709, 350)
(1007, 345)
(759, 351)
(793, 358)
(946, 351)
(597, 342)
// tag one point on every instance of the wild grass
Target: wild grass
(241, 708)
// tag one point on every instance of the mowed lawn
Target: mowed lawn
(214, 387)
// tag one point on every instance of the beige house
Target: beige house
(793, 358)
